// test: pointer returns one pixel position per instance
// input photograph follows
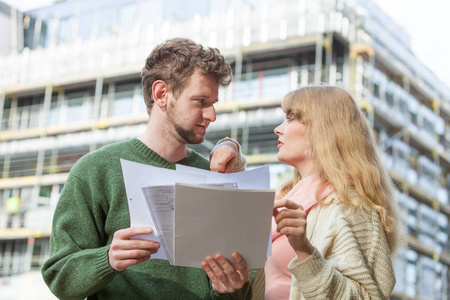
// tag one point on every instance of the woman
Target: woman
(335, 227)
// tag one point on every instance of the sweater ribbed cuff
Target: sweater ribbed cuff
(307, 271)
(101, 264)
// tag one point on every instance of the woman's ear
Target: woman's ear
(160, 93)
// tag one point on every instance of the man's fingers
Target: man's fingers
(125, 252)
(225, 277)
(216, 274)
(121, 259)
(140, 244)
(227, 268)
(118, 244)
(209, 271)
(217, 286)
(241, 266)
(123, 264)
(132, 254)
(218, 271)
(127, 233)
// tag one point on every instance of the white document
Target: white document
(135, 177)
(161, 204)
(138, 177)
(257, 178)
(212, 220)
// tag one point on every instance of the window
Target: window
(53, 114)
(123, 99)
(403, 104)
(376, 89)
(86, 25)
(74, 111)
(107, 21)
(127, 17)
(390, 94)
(40, 252)
(23, 164)
(65, 30)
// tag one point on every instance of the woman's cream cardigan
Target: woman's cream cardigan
(351, 258)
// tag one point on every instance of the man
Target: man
(92, 252)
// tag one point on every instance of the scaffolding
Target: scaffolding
(54, 109)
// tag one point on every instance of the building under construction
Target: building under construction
(70, 84)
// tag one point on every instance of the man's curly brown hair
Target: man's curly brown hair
(175, 60)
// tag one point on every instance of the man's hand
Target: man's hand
(223, 157)
(224, 277)
(125, 252)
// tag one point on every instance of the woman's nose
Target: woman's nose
(277, 130)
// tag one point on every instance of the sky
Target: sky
(425, 21)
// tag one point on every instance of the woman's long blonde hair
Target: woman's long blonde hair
(344, 147)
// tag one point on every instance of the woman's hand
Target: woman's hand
(291, 221)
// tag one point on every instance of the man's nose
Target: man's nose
(209, 113)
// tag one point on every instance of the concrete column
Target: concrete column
(2, 105)
(318, 61)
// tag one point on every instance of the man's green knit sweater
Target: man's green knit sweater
(92, 207)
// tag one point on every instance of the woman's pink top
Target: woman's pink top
(278, 276)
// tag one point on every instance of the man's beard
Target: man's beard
(189, 136)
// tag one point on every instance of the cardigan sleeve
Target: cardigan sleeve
(241, 160)
(354, 263)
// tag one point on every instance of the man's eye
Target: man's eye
(201, 101)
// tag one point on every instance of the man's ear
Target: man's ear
(160, 93)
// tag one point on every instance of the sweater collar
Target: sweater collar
(159, 160)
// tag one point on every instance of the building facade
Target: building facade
(75, 87)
